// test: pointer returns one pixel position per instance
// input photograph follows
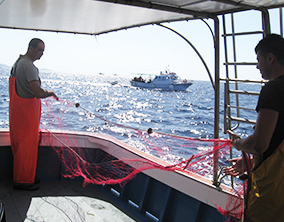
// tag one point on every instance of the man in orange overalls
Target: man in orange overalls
(24, 115)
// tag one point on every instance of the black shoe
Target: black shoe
(25, 186)
(37, 181)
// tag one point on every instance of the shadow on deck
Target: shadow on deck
(59, 201)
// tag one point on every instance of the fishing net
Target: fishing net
(168, 152)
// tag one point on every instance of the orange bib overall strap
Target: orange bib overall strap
(24, 119)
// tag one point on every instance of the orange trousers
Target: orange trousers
(24, 119)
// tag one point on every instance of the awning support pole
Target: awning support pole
(217, 94)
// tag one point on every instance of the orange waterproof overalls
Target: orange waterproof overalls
(24, 118)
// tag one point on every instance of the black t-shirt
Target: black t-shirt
(272, 97)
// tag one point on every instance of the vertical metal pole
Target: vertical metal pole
(217, 78)
(227, 103)
(217, 93)
(265, 21)
(227, 123)
(235, 66)
(281, 21)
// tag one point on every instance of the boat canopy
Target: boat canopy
(103, 16)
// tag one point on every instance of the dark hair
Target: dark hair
(34, 42)
(272, 43)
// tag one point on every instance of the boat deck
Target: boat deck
(59, 201)
(152, 195)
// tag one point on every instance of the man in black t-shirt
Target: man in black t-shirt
(272, 98)
(265, 199)
(270, 108)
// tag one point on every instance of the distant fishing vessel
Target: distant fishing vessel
(164, 81)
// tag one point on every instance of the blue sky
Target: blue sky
(148, 49)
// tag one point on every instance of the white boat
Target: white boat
(166, 81)
(154, 195)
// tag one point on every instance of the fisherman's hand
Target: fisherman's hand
(235, 138)
(54, 95)
(236, 169)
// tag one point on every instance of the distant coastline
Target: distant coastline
(6, 67)
(3, 66)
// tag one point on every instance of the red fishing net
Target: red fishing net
(143, 150)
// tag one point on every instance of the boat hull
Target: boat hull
(169, 87)
(164, 195)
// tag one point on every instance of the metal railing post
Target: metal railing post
(217, 94)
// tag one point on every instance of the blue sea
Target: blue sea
(186, 114)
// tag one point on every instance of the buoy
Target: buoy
(77, 104)
(149, 131)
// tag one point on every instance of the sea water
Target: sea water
(189, 113)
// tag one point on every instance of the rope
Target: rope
(149, 130)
